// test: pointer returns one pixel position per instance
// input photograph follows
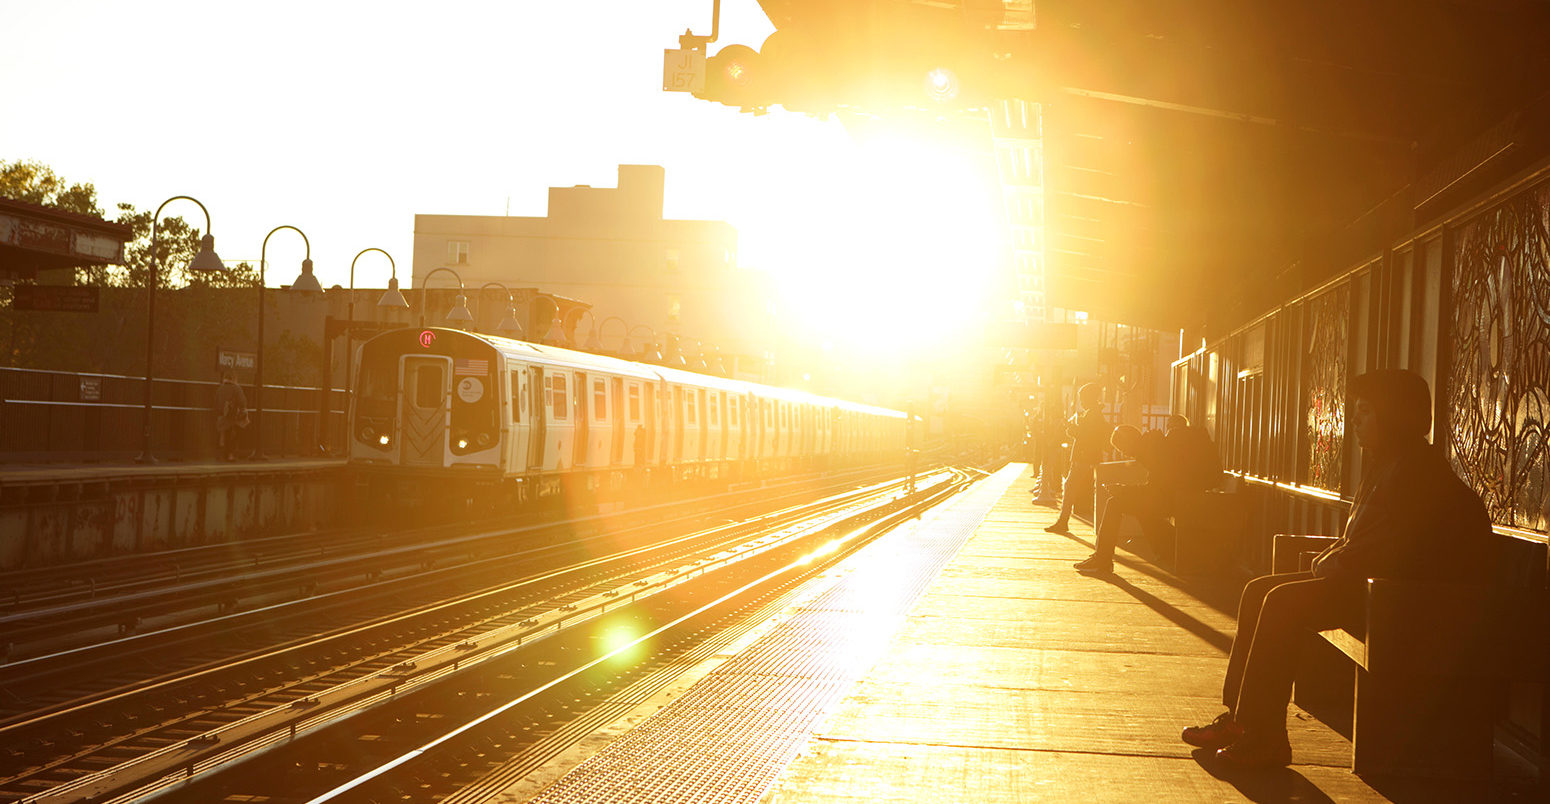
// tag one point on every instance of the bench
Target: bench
(1206, 524)
(1430, 662)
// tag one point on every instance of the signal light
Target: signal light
(941, 85)
(732, 77)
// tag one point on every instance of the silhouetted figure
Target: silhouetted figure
(231, 413)
(1412, 518)
(1089, 431)
(1182, 461)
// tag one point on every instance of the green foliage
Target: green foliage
(196, 314)
(36, 183)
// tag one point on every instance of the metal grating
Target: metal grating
(731, 735)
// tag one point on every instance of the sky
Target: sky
(345, 119)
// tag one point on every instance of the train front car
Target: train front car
(427, 408)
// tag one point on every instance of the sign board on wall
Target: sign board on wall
(55, 298)
(241, 361)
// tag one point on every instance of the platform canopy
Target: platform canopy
(35, 237)
(1207, 159)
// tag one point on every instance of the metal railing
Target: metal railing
(64, 416)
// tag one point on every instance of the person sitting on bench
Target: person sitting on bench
(1412, 518)
(1184, 460)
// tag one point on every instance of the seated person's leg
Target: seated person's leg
(1289, 612)
(1224, 730)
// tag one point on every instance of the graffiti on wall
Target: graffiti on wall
(1499, 392)
(1324, 404)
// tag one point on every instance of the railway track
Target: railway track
(148, 734)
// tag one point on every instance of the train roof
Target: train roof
(559, 355)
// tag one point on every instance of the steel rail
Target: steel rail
(591, 604)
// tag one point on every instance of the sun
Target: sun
(900, 247)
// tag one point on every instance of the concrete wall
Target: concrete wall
(59, 520)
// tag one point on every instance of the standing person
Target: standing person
(1412, 518)
(1089, 432)
(231, 413)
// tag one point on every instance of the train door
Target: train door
(560, 427)
(646, 451)
(424, 408)
(676, 413)
(665, 428)
(715, 427)
(600, 432)
(616, 454)
(582, 430)
(537, 398)
(518, 450)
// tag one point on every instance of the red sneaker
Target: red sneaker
(1219, 733)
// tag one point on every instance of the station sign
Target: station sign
(56, 298)
(242, 361)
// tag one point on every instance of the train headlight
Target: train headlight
(384, 440)
(462, 443)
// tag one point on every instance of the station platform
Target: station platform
(961, 659)
(32, 474)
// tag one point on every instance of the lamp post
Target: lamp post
(623, 343)
(205, 260)
(643, 356)
(304, 282)
(391, 299)
(556, 334)
(508, 325)
(459, 314)
(593, 345)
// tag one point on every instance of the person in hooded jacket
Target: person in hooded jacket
(1412, 518)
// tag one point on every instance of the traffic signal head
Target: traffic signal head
(733, 77)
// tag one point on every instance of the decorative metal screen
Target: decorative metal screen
(1325, 373)
(1500, 389)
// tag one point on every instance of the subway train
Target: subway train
(443, 413)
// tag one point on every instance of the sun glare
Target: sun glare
(899, 249)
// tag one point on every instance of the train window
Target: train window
(689, 413)
(599, 400)
(732, 411)
(427, 387)
(635, 403)
(517, 400)
(558, 402)
(711, 416)
(769, 414)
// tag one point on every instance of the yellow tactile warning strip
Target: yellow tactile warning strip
(730, 736)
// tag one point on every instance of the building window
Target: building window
(457, 252)
(672, 260)
(674, 309)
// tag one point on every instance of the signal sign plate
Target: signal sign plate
(683, 70)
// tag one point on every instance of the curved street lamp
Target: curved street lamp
(643, 356)
(304, 282)
(603, 326)
(508, 325)
(205, 260)
(392, 299)
(592, 343)
(458, 315)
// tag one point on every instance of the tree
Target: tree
(188, 322)
(36, 183)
